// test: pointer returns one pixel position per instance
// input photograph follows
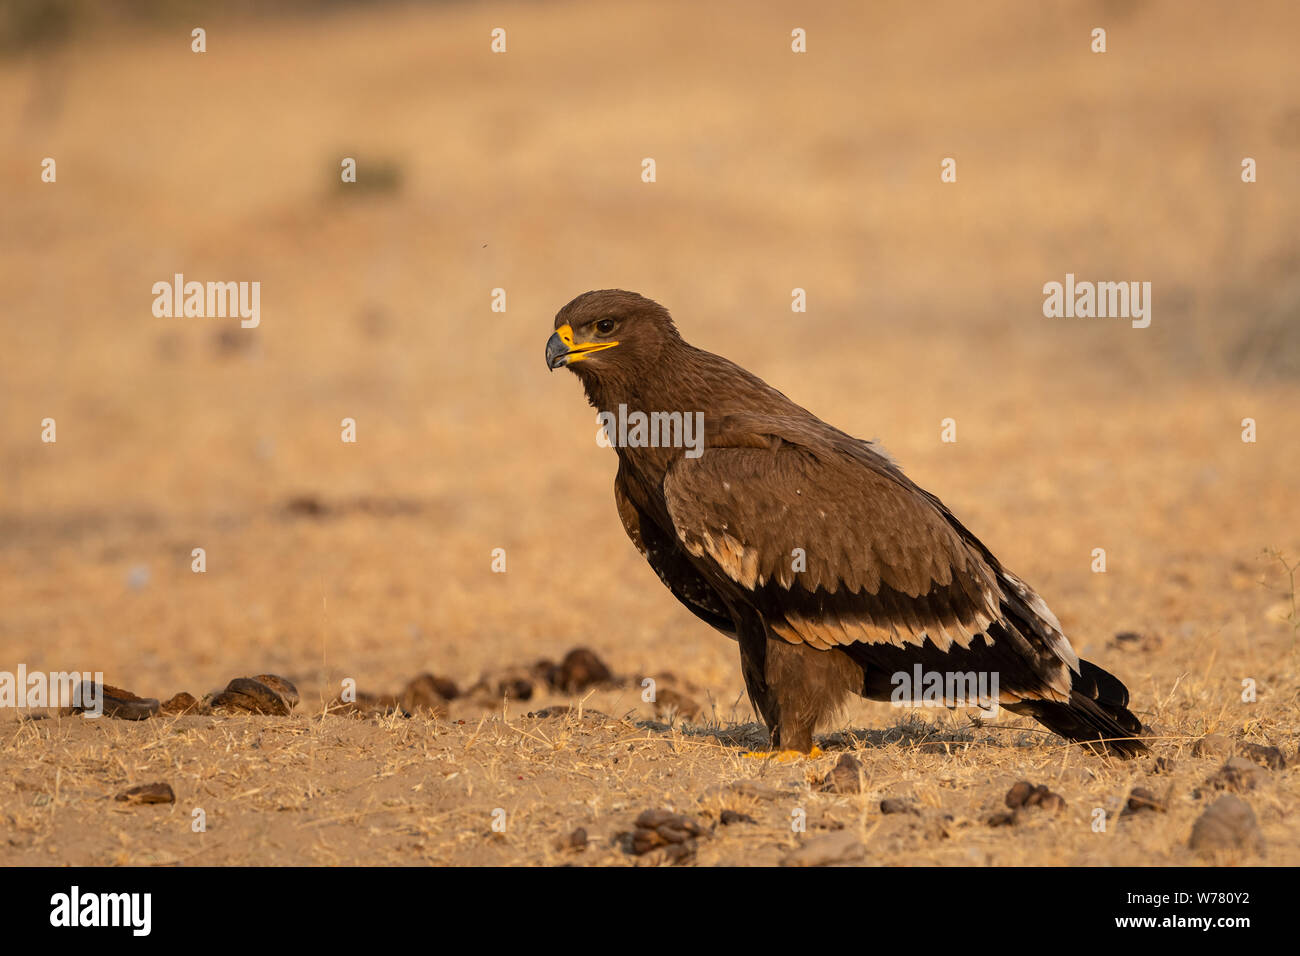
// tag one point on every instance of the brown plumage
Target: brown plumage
(834, 572)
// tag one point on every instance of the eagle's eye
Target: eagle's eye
(605, 326)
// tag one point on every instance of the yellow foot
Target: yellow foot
(783, 756)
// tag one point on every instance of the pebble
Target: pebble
(1227, 825)
(148, 793)
(842, 846)
(845, 776)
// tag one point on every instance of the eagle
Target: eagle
(834, 572)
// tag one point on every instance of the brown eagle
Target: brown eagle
(835, 573)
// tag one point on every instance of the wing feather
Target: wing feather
(886, 563)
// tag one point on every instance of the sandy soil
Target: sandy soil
(372, 561)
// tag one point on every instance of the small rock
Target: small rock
(251, 695)
(677, 853)
(367, 705)
(643, 841)
(118, 703)
(148, 793)
(228, 341)
(1227, 825)
(669, 702)
(282, 686)
(1024, 794)
(895, 805)
(445, 686)
(844, 776)
(1238, 774)
(653, 819)
(1143, 799)
(566, 711)
(178, 704)
(841, 846)
(756, 791)
(1163, 765)
(730, 817)
(425, 694)
(577, 840)
(1270, 757)
(663, 828)
(514, 685)
(675, 834)
(580, 669)
(1018, 794)
(1213, 745)
(308, 506)
(1051, 802)
(1133, 641)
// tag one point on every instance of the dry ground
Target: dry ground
(522, 171)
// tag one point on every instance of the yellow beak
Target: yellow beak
(561, 349)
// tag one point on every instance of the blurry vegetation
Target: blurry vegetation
(1262, 335)
(1289, 570)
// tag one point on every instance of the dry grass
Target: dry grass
(522, 172)
(335, 791)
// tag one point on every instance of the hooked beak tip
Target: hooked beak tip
(555, 349)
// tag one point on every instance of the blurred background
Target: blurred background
(522, 171)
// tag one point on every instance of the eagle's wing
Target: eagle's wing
(667, 559)
(830, 542)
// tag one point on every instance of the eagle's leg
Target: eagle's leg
(794, 687)
(753, 665)
(810, 685)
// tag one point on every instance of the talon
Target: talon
(783, 756)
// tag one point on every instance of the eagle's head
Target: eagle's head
(609, 333)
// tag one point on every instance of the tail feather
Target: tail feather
(1097, 713)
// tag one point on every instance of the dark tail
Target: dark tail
(1097, 713)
